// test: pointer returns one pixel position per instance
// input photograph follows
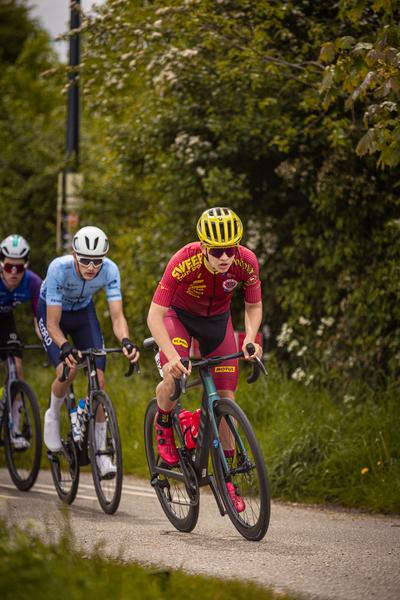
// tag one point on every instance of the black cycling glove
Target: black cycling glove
(66, 350)
(126, 343)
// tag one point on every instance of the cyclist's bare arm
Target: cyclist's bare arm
(252, 322)
(155, 322)
(120, 327)
(54, 314)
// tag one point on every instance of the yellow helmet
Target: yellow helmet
(219, 227)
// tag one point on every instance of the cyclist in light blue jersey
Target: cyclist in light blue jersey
(66, 307)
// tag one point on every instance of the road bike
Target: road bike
(99, 446)
(20, 423)
(223, 425)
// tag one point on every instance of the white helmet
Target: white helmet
(90, 241)
(15, 246)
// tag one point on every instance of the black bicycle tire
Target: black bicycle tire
(25, 484)
(66, 496)
(108, 506)
(189, 522)
(257, 530)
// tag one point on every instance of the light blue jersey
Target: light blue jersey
(63, 286)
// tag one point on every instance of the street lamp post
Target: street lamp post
(70, 181)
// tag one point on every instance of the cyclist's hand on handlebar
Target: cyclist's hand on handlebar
(68, 354)
(258, 350)
(176, 368)
(130, 350)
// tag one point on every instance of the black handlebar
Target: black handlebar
(98, 352)
(180, 384)
(20, 346)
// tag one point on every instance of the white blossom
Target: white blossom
(304, 321)
(329, 321)
(292, 345)
(301, 351)
(284, 335)
(298, 374)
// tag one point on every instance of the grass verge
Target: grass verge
(31, 569)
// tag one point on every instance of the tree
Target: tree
(365, 68)
(205, 103)
(31, 136)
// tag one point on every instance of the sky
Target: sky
(55, 16)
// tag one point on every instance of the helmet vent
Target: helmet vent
(229, 230)
(96, 241)
(222, 231)
(214, 228)
(208, 234)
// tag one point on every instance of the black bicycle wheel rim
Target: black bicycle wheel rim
(173, 498)
(24, 464)
(108, 490)
(64, 465)
(252, 484)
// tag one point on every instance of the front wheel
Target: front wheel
(177, 502)
(64, 465)
(247, 471)
(105, 453)
(23, 444)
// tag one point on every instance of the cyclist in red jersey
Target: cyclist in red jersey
(193, 300)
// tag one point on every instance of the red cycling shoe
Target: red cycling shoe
(236, 498)
(166, 444)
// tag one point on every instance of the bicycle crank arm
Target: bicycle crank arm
(217, 497)
(188, 479)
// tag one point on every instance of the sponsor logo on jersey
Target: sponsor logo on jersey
(180, 342)
(196, 288)
(251, 279)
(188, 266)
(225, 369)
(229, 284)
(240, 263)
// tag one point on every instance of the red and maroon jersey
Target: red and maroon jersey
(189, 284)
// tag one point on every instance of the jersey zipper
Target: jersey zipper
(80, 296)
(213, 294)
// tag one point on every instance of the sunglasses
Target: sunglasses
(218, 252)
(8, 267)
(85, 262)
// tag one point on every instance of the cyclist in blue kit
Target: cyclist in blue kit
(17, 285)
(66, 308)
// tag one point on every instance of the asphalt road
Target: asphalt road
(314, 552)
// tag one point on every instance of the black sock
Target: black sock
(164, 419)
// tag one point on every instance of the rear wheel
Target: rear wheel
(247, 471)
(180, 505)
(23, 445)
(64, 465)
(105, 453)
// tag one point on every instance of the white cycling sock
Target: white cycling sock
(55, 406)
(100, 433)
(16, 413)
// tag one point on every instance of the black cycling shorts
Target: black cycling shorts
(215, 336)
